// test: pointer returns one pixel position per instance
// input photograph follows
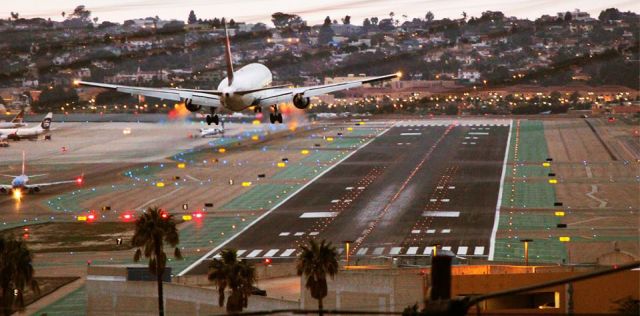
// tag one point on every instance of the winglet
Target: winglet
(227, 54)
(23, 162)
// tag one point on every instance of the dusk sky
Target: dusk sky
(312, 11)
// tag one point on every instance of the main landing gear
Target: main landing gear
(275, 116)
(213, 118)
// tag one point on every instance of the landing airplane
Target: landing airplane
(27, 132)
(206, 132)
(15, 122)
(21, 182)
(249, 86)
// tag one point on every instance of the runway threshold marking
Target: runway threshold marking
(214, 250)
(496, 220)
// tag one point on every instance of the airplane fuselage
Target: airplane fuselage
(249, 77)
(19, 181)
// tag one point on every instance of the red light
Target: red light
(267, 261)
(26, 229)
(79, 180)
(197, 215)
(164, 215)
(91, 217)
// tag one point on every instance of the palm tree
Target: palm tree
(238, 276)
(315, 262)
(16, 273)
(154, 228)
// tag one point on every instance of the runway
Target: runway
(417, 185)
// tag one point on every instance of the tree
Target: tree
(192, 18)
(567, 16)
(326, 32)
(55, 97)
(429, 16)
(15, 15)
(238, 276)
(366, 25)
(451, 109)
(284, 21)
(16, 273)
(374, 20)
(610, 14)
(315, 262)
(346, 19)
(464, 16)
(80, 12)
(153, 229)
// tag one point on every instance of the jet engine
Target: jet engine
(301, 102)
(3, 191)
(190, 106)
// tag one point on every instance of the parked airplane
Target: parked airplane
(27, 132)
(206, 132)
(249, 86)
(15, 122)
(21, 182)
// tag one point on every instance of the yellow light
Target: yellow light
(350, 129)
(304, 152)
(546, 164)
(329, 139)
(559, 213)
(181, 165)
(255, 137)
(256, 122)
(186, 217)
(160, 184)
(82, 218)
(399, 74)
(76, 82)
(564, 239)
(17, 194)
(281, 165)
(222, 150)
(246, 184)
(553, 181)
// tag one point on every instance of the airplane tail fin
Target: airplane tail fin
(19, 117)
(46, 122)
(23, 162)
(227, 54)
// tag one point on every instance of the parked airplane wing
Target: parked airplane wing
(208, 98)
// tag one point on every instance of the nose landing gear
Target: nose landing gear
(213, 119)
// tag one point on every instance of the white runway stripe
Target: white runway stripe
(378, 251)
(362, 251)
(314, 233)
(478, 251)
(431, 231)
(318, 214)
(412, 250)
(271, 253)
(441, 214)
(462, 250)
(448, 248)
(395, 250)
(415, 231)
(287, 253)
(410, 134)
(240, 252)
(428, 251)
(299, 234)
(254, 253)
(446, 231)
(282, 234)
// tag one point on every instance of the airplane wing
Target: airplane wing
(280, 95)
(40, 185)
(6, 187)
(208, 98)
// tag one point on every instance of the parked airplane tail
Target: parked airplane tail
(46, 122)
(227, 54)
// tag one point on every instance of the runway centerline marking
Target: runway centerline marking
(319, 214)
(441, 214)
(410, 134)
